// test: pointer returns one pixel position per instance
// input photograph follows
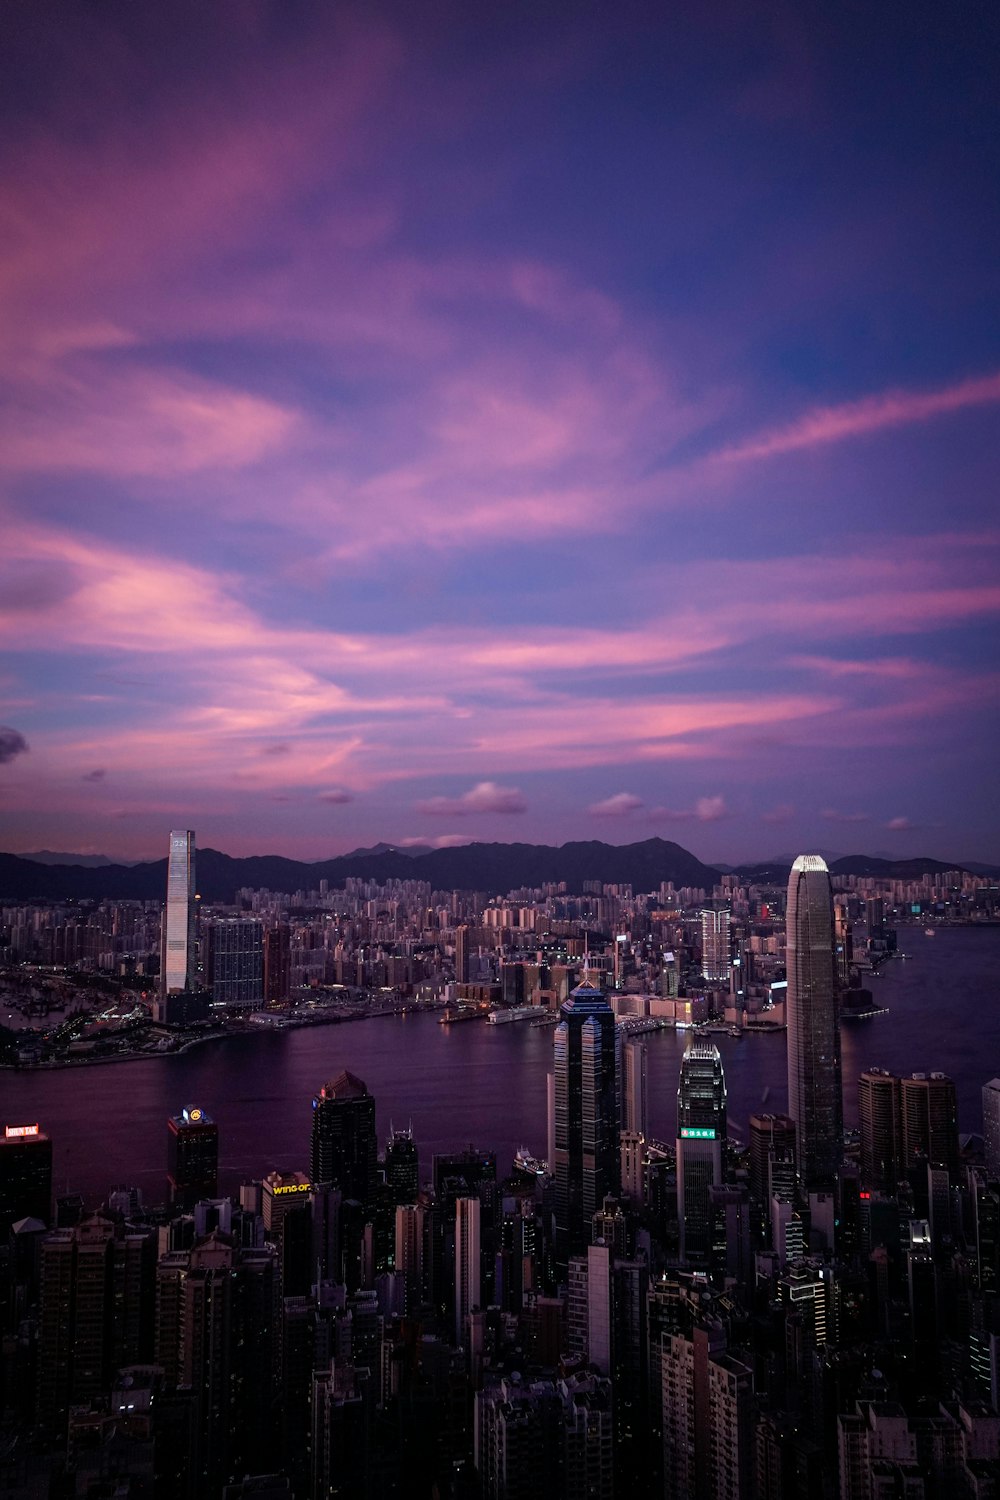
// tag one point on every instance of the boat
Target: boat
(516, 1013)
(929, 932)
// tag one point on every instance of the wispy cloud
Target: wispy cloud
(705, 810)
(833, 815)
(832, 424)
(440, 841)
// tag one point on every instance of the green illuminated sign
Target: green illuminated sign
(696, 1133)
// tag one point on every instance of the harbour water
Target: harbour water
(479, 1083)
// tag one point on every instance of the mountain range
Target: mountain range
(492, 868)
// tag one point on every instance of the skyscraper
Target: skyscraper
(277, 964)
(192, 1156)
(25, 1176)
(991, 1128)
(586, 1116)
(462, 955)
(468, 1212)
(701, 1137)
(177, 966)
(929, 1111)
(402, 1167)
(881, 1129)
(814, 1086)
(234, 962)
(634, 1107)
(344, 1145)
(715, 948)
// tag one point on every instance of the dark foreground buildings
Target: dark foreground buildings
(769, 1312)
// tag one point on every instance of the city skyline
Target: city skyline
(494, 426)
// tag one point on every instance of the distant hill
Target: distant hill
(862, 864)
(493, 868)
(51, 857)
(891, 869)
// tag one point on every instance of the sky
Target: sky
(523, 421)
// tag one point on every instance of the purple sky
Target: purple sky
(500, 421)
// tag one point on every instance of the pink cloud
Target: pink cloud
(899, 825)
(831, 815)
(705, 810)
(484, 797)
(831, 424)
(146, 423)
(898, 668)
(441, 841)
(617, 806)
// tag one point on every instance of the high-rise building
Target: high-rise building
(288, 1223)
(633, 1167)
(277, 964)
(843, 942)
(25, 1176)
(929, 1111)
(344, 1144)
(772, 1157)
(587, 1163)
(991, 1128)
(701, 1138)
(192, 1156)
(178, 958)
(716, 958)
(881, 1129)
(635, 1112)
(815, 1100)
(409, 1250)
(234, 962)
(402, 1168)
(462, 955)
(96, 1308)
(552, 1438)
(467, 1262)
(217, 1336)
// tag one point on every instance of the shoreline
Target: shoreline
(188, 1045)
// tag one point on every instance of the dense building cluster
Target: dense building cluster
(805, 1314)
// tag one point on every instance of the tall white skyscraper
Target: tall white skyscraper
(991, 1128)
(716, 961)
(815, 1099)
(177, 967)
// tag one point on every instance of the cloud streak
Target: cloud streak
(834, 424)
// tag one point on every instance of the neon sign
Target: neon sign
(696, 1133)
(14, 1132)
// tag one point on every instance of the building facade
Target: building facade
(701, 1138)
(815, 1100)
(178, 963)
(587, 1162)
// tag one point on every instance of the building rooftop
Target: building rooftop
(344, 1086)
